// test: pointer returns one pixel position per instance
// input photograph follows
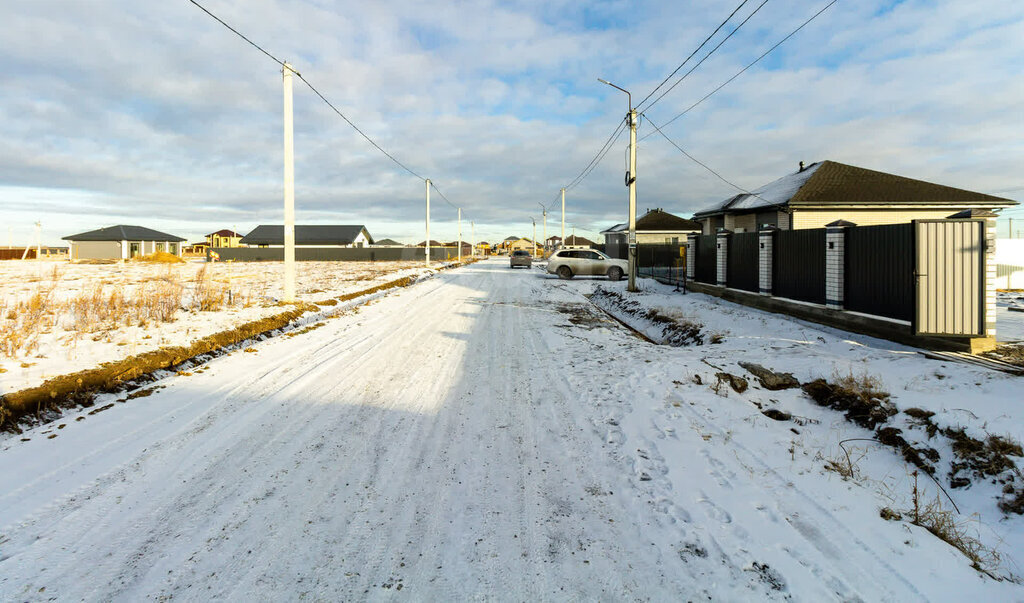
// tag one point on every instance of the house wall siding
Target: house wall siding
(95, 250)
(813, 218)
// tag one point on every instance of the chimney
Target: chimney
(801, 166)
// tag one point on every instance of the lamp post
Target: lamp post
(631, 183)
(534, 236)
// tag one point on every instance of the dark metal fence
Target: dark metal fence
(665, 262)
(879, 270)
(743, 262)
(335, 254)
(798, 265)
(707, 259)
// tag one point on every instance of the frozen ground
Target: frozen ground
(1010, 324)
(255, 288)
(491, 434)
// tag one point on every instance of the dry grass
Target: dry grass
(160, 257)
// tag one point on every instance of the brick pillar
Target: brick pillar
(691, 256)
(835, 243)
(765, 255)
(723, 256)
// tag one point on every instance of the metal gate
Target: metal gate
(743, 262)
(707, 259)
(798, 268)
(949, 270)
(879, 270)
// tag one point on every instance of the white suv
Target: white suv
(567, 263)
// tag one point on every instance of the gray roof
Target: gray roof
(387, 242)
(832, 183)
(123, 233)
(273, 234)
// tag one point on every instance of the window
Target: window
(590, 255)
(160, 246)
(172, 248)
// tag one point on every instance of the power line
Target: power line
(703, 165)
(707, 56)
(238, 33)
(584, 173)
(315, 91)
(754, 62)
(706, 40)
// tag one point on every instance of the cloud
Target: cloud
(155, 114)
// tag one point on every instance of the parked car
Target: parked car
(520, 257)
(567, 263)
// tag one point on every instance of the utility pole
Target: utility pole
(460, 235)
(472, 235)
(289, 187)
(545, 211)
(534, 236)
(39, 240)
(426, 244)
(562, 242)
(631, 181)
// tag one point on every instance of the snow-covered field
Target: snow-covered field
(68, 337)
(1010, 323)
(490, 433)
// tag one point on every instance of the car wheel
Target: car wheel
(614, 273)
(564, 272)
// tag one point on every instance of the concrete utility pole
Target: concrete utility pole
(472, 235)
(534, 236)
(562, 242)
(460, 235)
(545, 212)
(289, 188)
(426, 244)
(631, 183)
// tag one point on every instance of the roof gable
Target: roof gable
(273, 234)
(123, 232)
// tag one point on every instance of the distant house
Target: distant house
(507, 242)
(657, 226)
(433, 243)
(197, 248)
(387, 243)
(575, 241)
(272, 235)
(467, 247)
(553, 242)
(523, 243)
(224, 238)
(827, 191)
(122, 243)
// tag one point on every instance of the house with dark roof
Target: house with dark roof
(224, 238)
(122, 242)
(827, 191)
(656, 226)
(387, 243)
(272, 235)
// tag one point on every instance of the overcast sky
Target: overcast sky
(152, 113)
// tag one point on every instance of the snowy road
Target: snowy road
(472, 436)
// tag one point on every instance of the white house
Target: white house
(122, 242)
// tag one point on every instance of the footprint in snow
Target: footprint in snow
(714, 511)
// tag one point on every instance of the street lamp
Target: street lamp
(631, 183)
(534, 236)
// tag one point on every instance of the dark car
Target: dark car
(520, 257)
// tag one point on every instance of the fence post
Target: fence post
(723, 256)
(691, 256)
(835, 245)
(765, 256)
